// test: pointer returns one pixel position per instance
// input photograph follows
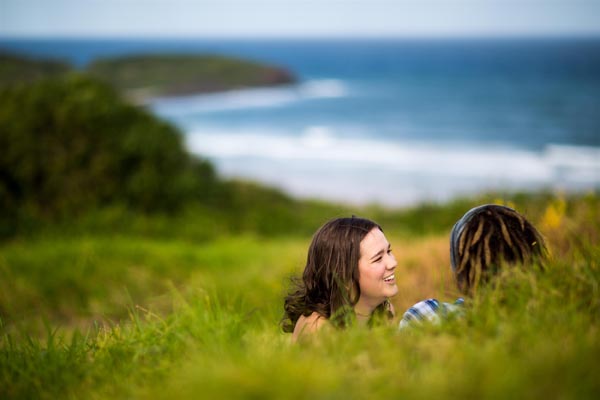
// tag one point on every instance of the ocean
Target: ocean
(388, 121)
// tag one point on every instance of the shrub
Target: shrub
(15, 69)
(71, 144)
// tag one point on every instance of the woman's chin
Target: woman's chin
(392, 290)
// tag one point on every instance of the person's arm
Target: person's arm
(426, 310)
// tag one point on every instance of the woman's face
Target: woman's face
(376, 270)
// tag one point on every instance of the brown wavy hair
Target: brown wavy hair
(329, 285)
(486, 238)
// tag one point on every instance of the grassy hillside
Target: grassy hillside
(131, 316)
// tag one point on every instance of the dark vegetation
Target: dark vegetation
(15, 69)
(73, 148)
(71, 144)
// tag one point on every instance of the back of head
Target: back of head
(329, 282)
(486, 238)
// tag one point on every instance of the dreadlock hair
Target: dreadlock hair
(488, 236)
(329, 284)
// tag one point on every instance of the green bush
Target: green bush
(15, 69)
(72, 144)
(73, 147)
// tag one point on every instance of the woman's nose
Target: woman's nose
(392, 263)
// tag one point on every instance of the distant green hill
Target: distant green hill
(15, 69)
(169, 75)
(142, 77)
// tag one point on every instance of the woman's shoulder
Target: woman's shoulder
(308, 324)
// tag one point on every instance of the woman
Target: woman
(349, 275)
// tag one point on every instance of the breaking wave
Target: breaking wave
(319, 163)
(269, 97)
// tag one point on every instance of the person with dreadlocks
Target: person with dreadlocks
(483, 241)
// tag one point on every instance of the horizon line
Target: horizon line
(455, 36)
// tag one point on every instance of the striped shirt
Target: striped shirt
(430, 310)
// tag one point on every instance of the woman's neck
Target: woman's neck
(363, 312)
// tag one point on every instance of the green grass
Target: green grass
(129, 316)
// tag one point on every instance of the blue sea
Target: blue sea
(389, 121)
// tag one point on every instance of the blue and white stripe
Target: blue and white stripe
(430, 310)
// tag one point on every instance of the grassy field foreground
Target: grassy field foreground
(98, 316)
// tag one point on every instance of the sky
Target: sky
(298, 18)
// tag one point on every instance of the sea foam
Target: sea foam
(269, 97)
(319, 163)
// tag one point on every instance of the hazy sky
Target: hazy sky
(239, 18)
